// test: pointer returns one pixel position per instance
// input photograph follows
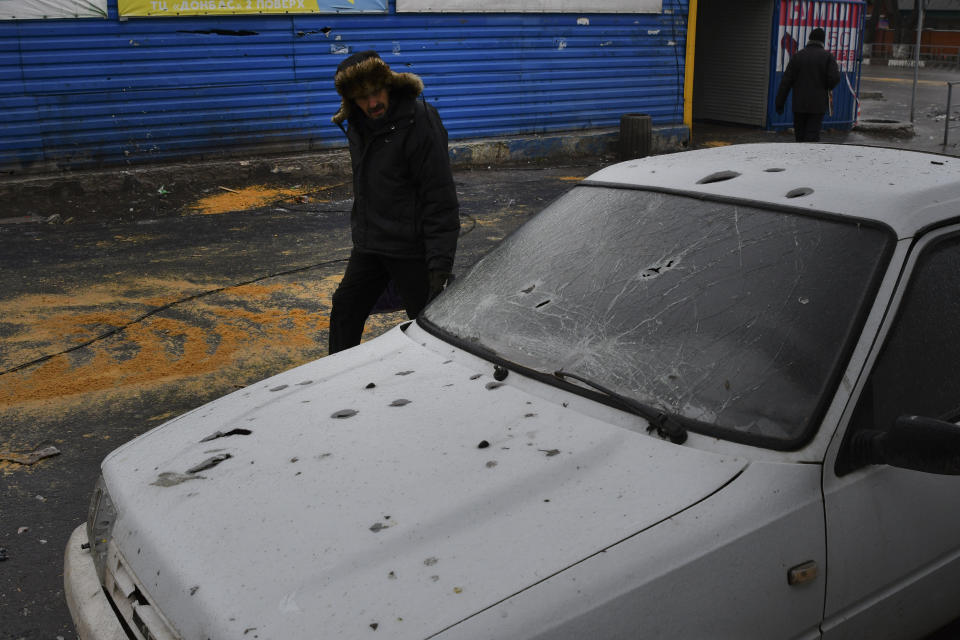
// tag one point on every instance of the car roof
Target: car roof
(906, 190)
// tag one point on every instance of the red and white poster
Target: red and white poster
(839, 20)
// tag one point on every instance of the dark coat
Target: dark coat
(811, 74)
(405, 202)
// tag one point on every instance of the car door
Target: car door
(893, 535)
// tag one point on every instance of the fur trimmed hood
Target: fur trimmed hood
(364, 73)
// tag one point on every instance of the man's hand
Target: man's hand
(437, 280)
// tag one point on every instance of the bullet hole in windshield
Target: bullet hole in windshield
(227, 434)
(652, 272)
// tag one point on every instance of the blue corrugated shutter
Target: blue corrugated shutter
(83, 93)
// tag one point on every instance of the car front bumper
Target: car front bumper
(92, 614)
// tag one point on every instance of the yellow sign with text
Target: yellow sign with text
(171, 8)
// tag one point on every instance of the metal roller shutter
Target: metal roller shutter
(732, 61)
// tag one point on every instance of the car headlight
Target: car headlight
(100, 521)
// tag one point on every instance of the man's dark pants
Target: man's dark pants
(806, 126)
(365, 279)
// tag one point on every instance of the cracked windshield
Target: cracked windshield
(731, 315)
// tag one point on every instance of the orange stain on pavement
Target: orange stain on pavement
(255, 196)
(243, 199)
(208, 344)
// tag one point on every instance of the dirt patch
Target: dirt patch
(255, 196)
(221, 341)
(43, 323)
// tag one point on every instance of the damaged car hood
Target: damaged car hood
(395, 487)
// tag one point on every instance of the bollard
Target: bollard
(946, 123)
(635, 135)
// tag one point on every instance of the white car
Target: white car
(703, 395)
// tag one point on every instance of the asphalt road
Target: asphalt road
(110, 325)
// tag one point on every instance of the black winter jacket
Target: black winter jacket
(405, 202)
(811, 73)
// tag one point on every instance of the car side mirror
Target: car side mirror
(914, 442)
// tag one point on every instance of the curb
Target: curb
(888, 127)
(163, 189)
(542, 148)
(560, 147)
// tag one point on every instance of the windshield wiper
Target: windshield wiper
(666, 425)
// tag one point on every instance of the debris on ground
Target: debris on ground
(31, 457)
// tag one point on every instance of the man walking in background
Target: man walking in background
(811, 74)
(405, 219)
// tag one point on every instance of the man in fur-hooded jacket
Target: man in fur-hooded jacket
(405, 219)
